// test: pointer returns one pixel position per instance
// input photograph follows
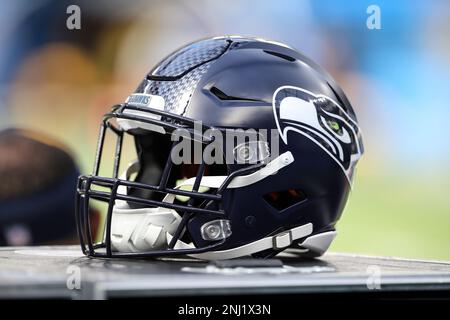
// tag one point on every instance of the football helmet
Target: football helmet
(281, 181)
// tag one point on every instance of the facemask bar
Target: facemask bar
(85, 191)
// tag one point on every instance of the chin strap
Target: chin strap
(276, 242)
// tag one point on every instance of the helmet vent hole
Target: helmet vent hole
(280, 55)
(223, 96)
(281, 200)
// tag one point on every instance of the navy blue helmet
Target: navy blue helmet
(245, 147)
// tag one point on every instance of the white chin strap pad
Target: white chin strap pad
(139, 230)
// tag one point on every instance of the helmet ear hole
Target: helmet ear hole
(281, 200)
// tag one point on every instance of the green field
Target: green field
(397, 215)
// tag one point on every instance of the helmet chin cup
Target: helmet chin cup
(140, 230)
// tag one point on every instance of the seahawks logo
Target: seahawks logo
(322, 120)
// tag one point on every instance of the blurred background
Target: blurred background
(60, 82)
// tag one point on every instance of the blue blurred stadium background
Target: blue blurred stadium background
(61, 81)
